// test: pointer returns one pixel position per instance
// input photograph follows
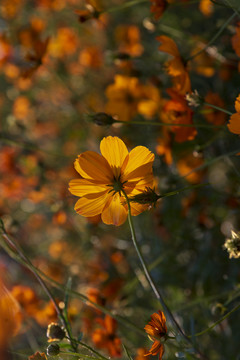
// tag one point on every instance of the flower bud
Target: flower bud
(53, 349)
(148, 196)
(101, 119)
(55, 332)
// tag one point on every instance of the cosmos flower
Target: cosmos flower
(156, 329)
(104, 179)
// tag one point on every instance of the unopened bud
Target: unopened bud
(233, 245)
(101, 119)
(148, 196)
(53, 350)
(55, 332)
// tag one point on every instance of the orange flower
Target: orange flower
(175, 67)
(156, 329)
(206, 7)
(234, 122)
(158, 7)
(177, 111)
(127, 97)
(10, 317)
(104, 177)
(128, 38)
(105, 337)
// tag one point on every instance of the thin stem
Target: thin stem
(80, 355)
(90, 349)
(175, 192)
(151, 282)
(156, 123)
(218, 322)
(222, 28)
(212, 161)
(28, 263)
(218, 108)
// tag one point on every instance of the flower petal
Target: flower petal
(92, 204)
(114, 151)
(139, 164)
(234, 123)
(115, 213)
(94, 166)
(82, 187)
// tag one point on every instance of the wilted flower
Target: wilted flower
(233, 245)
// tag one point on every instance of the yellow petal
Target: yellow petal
(139, 164)
(82, 187)
(92, 204)
(114, 151)
(93, 166)
(115, 213)
(234, 123)
(137, 209)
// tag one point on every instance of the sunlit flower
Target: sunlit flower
(234, 122)
(156, 329)
(105, 177)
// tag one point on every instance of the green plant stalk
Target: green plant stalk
(156, 123)
(124, 6)
(218, 321)
(218, 108)
(28, 263)
(222, 28)
(152, 284)
(100, 356)
(212, 161)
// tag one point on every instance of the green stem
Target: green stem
(222, 28)
(81, 355)
(28, 263)
(218, 108)
(151, 282)
(171, 193)
(218, 322)
(90, 349)
(212, 161)
(156, 123)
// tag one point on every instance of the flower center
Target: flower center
(117, 185)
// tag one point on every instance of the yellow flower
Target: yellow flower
(105, 177)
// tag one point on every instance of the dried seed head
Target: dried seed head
(53, 349)
(233, 245)
(55, 332)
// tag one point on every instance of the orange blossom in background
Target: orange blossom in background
(156, 329)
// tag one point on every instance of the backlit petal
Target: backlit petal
(82, 187)
(93, 166)
(139, 164)
(114, 151)
(92, 205)
(115, 213)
